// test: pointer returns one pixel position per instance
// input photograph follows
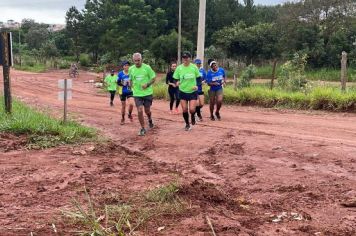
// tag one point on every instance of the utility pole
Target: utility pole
(180, 32)
(201, 30)
(6, 63)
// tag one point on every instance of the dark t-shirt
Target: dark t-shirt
(170, 79)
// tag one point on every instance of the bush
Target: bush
(160, 90)
(84, 60)
(64, 65)
(292, 76)
(246, 76)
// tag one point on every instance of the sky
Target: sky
(53, 11)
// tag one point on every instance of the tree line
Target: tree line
(109, 30)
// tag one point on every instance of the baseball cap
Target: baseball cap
(197, 61)
(186, 54)
(125, 63)
(112, 71)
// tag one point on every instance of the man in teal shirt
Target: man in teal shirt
(111, 84)
(142, 77)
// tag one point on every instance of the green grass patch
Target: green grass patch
(327, 74)
(323, 74)
(37, 68)
(160, 90)
(320, 98)
(265, 72)
(328, 98)
(123, 217)
(165, 193)
(43, 131)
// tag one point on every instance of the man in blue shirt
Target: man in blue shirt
(123, 80)
(216, 79)
(200, 81)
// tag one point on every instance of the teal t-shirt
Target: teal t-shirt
(187, 76)
(139, 77)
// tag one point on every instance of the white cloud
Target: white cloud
(53, 11)
(50, 11)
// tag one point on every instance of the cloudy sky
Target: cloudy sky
(53, 11)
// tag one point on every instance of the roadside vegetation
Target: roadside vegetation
(42, 130)
(293, 89)
(109, 215)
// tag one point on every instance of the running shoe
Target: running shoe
(187, 127)
(212, 117)
(193, 120)
(122, 122)
(150, 124)
(171, 112)
(176, 111)
(142, 132)
(111, 104)
(200, 118)
(218, 115)
(130, 117)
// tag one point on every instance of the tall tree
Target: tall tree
(73, 27)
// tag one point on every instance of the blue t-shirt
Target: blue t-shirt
(217, 76)
(201, 79)
(123, 80)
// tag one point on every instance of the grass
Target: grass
(163, 194)
(322, 74)
(319, 98)
(326, 74)
(123, 218)
(37, 68)
(43, 131)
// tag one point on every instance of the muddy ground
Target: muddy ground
(256, 172)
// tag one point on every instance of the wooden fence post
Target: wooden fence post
(343, 71)
(235, 82)
(273, 73)
(6, 70)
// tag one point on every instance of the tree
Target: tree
(73, 19)
(165, 46)
(312, 26)
(63, 43)
(256, 42)
(36, 36)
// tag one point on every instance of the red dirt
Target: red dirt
(255, 166)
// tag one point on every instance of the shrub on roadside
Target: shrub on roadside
(292, 76)
(247, 75)
(84, 60)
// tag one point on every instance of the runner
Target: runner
(73, 71)
(142, 77)
(187, 74)
(124, 81)
(215, 79)
(200, 81)
(111, 84)
(173, 89)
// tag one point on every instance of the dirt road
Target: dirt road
(290, 171)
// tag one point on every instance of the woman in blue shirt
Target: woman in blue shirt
(216, 79)
(123, 80)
